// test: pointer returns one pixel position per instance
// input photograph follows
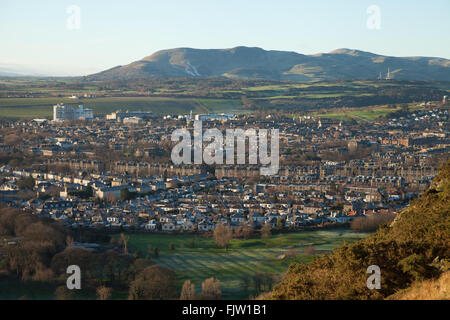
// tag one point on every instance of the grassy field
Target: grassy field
(362, 114)
(13, 108)
(171, 99)
(14, 289)
(205, 260)
(243, 257)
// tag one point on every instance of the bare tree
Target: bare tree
(211, 289)
(62, 293)
(243, 231)
(223, 235)
(125, 240)
(266, 231)
(154, 283)
(110, 198)
(103, 293)
(188, 291)
(69, 241)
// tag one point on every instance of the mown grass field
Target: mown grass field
(205, 260)
(13, 108)
(243, 257)
(368, 114)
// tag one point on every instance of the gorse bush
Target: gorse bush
(412, 248)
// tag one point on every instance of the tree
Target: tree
(211, 289)
(125, 240)
(103, 293)
(89, 192)
(81, 257)
(43, 274)
(125, 194)
(154, 283)
(243, 231)
(69, 241)
(62, 293)
(40, 232)
(114, 265)
(26, 183)
(12, 139)
(187, 291)
(223, 235)
(280, 224)
(110, 198)
(266, 231)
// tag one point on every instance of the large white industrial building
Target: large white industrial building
(62, 112)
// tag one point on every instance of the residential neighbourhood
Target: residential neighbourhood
(100, 173)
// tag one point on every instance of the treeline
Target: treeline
(413, 248)
(34, 243)
(370, 223)
(39, 250)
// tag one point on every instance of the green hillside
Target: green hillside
(413, 248)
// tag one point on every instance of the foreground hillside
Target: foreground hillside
(412, 249)
(256, 63)
(435, 289)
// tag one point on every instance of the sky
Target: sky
(44, 37)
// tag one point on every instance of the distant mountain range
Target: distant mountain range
(4, 72)
(18, 71)
(256, 63)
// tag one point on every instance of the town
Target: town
(115, 173)
(184, 153)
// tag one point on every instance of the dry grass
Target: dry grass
(438, 289)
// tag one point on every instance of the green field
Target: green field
(368, 114)
(183, 96)
(13, 108)
(244, 257)
(205, 260)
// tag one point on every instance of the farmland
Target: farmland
(12, 108)
(198, 258)
(362, 114)
(34, 98)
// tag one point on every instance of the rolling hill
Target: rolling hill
(257, 63)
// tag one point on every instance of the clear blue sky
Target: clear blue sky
(34, 36)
